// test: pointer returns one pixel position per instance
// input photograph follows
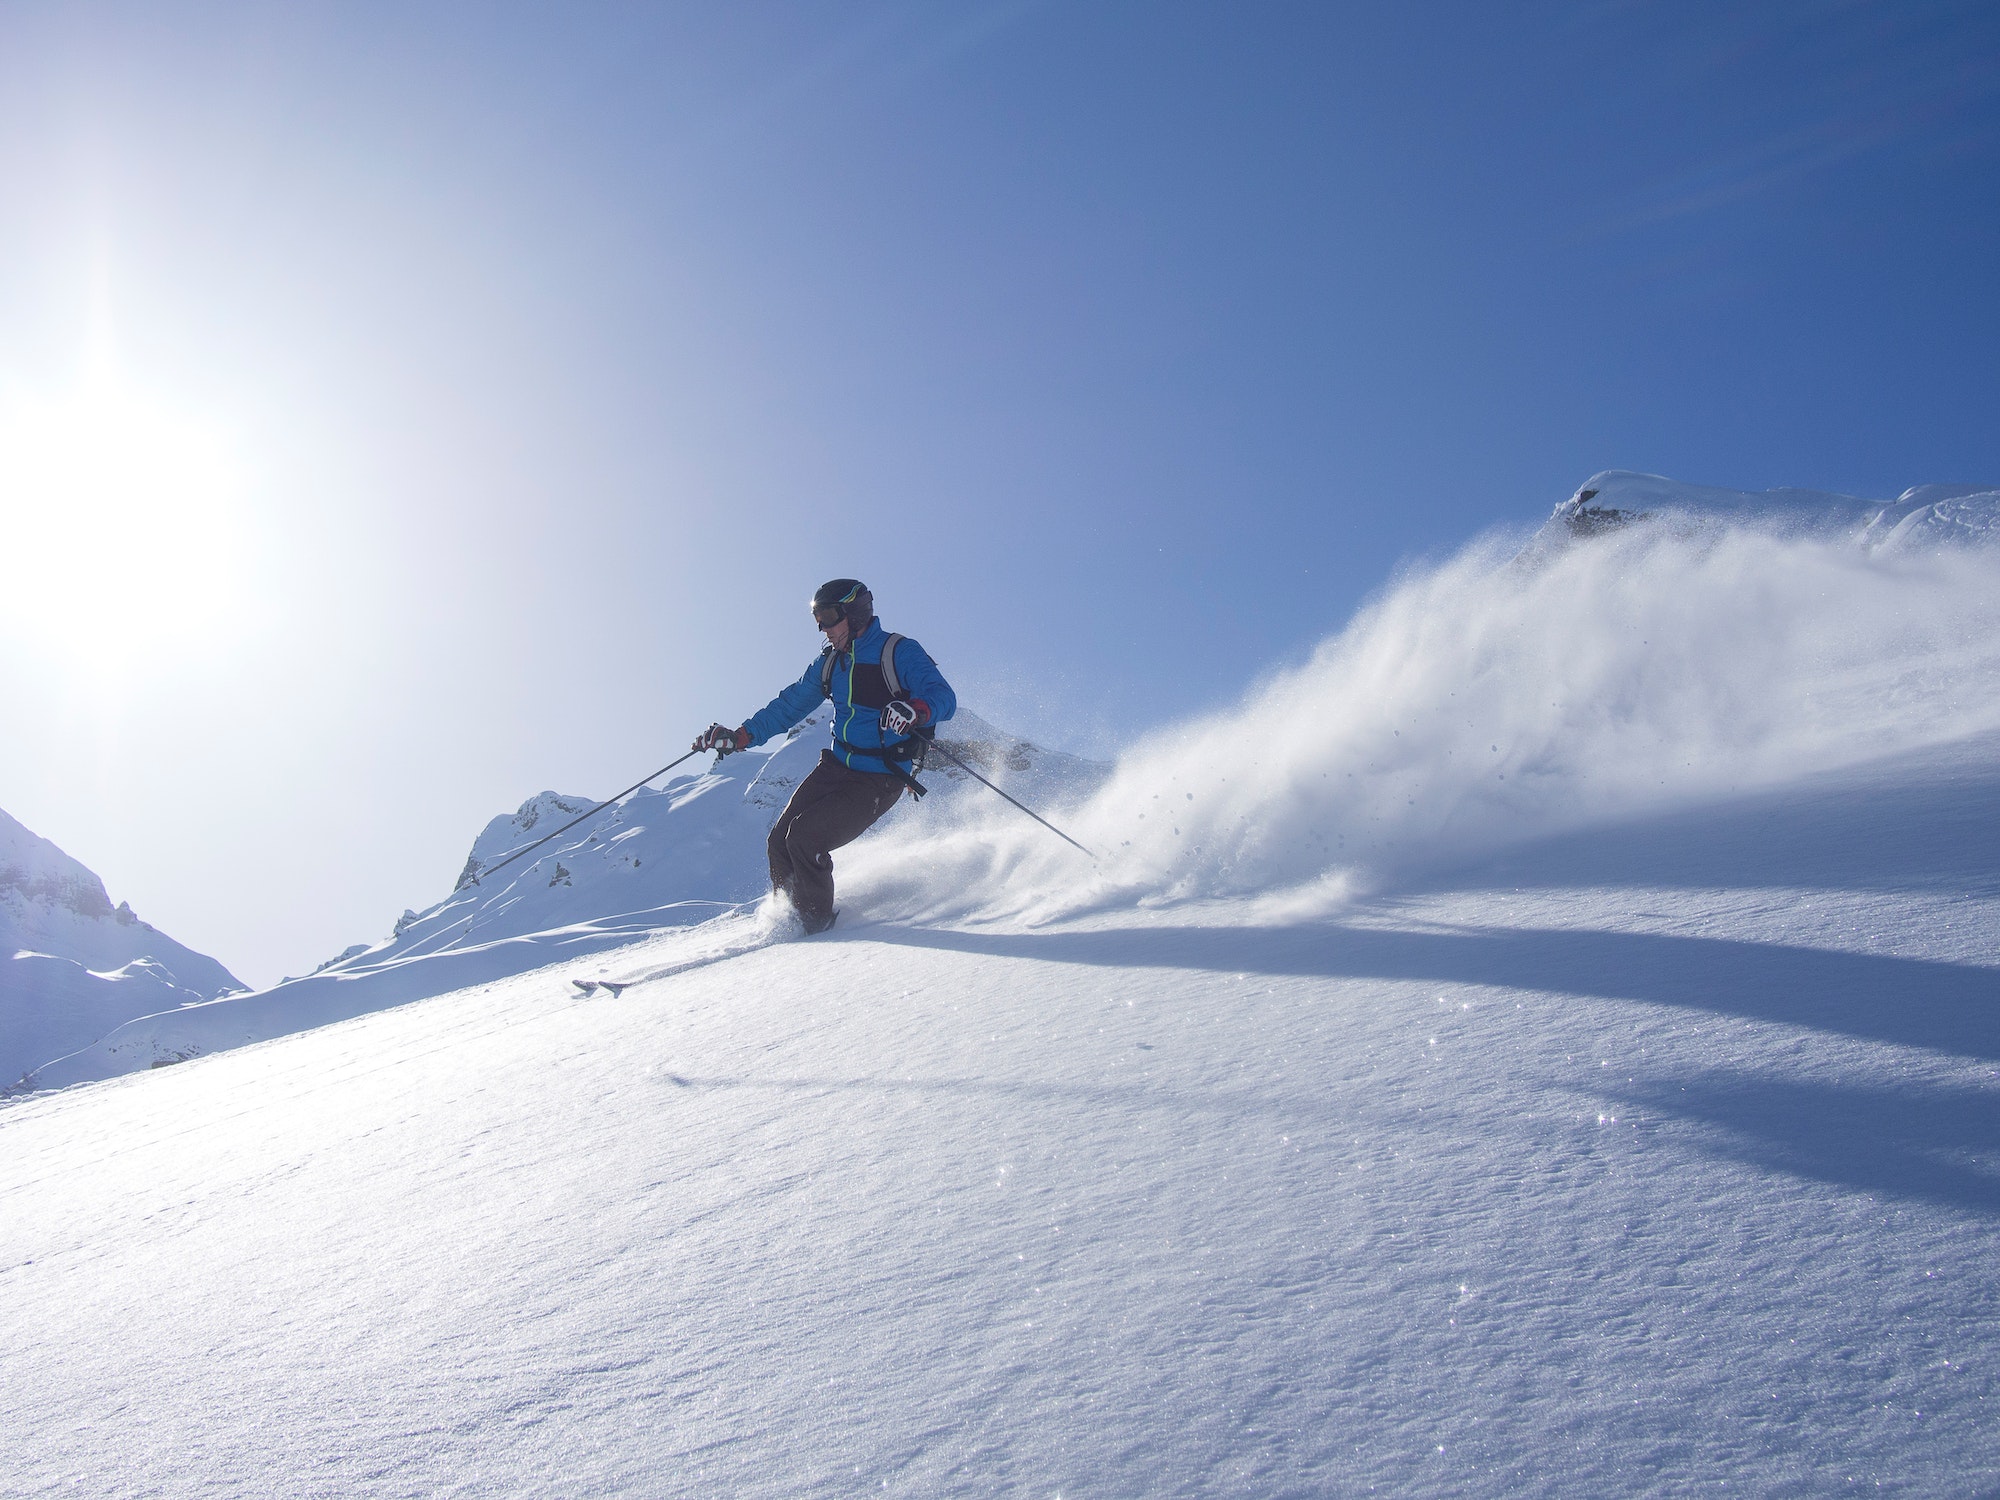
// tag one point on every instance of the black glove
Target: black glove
(902, 715)
(722, 740)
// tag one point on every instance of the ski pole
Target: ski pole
(579, 818)
(1023, 806)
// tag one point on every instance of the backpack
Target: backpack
(911, 750)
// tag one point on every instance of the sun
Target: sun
(120, 535)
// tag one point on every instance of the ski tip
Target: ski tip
(585, 985)
(614, 987)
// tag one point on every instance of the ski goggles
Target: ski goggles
(826, 616)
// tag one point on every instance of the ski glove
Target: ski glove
(722, 740)
(902, 715)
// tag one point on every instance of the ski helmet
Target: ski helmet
(850, 597)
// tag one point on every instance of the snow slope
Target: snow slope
(1546, 1043)
(72, 966)
(1657, 1160)
(1731, 641)
(681, 854)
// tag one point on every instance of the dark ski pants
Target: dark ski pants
(832, 806)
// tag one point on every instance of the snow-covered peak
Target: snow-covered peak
(1938, 515)
(539, 815)
(1924, 516)
(72, 965)
(38, 874)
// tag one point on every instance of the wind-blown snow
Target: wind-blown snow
(1503, 695)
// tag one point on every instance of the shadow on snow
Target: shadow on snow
(1920, 822)
(1938, 1144)
(1934, 1143)
(1910, 1002)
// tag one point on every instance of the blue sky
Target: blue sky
(547, 358)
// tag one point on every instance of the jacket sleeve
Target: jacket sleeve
(922, 679)
(793, 704)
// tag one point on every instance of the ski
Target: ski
(725, 939)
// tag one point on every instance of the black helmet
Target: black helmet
(850, 597)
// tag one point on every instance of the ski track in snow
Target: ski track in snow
(1632, 1130)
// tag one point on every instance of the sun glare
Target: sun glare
(119, 528)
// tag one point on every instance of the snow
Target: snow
(1924, 517)
(1680, 1175)
(680, 854)
(1500, 697)
(1627, 1127)
(72, 966)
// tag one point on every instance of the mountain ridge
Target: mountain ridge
(1924, 515)
(73, 966)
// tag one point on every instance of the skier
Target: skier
(882, 707)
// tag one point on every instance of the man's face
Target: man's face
(838, 634)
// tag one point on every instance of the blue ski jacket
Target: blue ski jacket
(859, 694)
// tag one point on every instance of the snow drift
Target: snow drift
(1603, 671)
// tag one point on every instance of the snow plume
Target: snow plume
(1493, 699)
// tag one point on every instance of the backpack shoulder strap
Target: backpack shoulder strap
(826, 672)
(889, 676)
